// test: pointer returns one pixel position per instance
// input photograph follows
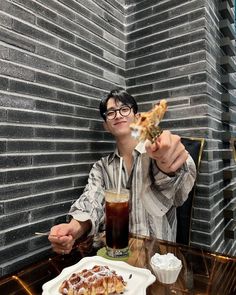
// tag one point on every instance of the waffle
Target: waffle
(146, 126)
(96, 281)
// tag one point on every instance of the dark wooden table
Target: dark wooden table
(202, 273)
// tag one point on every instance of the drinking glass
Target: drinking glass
(117, 222)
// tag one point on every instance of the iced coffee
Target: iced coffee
(117, 222)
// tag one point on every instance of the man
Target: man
(159, 175)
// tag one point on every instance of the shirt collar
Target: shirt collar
(139, 149)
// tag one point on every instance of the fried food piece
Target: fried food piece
(146, 126)
(96, 281)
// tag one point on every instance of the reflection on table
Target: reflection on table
(202, 272)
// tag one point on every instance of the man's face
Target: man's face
(118, 126)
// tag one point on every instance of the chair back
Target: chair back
(184, 213)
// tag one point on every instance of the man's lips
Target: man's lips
(119, 122)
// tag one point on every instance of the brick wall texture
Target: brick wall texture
(58, 58)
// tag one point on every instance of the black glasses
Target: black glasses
(124, 111)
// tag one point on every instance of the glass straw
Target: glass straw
(119, 179)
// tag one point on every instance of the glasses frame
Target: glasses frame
(114, 111)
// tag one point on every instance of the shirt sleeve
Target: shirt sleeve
(90, 205)
(167, 191)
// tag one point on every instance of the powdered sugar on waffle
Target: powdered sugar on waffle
(96, 281)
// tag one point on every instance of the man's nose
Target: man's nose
(118, 115)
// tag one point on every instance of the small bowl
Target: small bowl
(166, 275)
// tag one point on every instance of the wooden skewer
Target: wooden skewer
(44, 234)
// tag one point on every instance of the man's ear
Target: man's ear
(105, 126)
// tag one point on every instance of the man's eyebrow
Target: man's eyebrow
(113, 108)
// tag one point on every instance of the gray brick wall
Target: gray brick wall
(57, 59)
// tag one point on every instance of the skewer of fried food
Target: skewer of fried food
(146, 125)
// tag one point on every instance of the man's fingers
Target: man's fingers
(173, 154)
(59, 242)
(66, 247)
(152, 147)
(62, 250)
(178, 162)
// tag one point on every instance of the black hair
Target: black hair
(119, 94)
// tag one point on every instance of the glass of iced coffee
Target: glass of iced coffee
(117, 222)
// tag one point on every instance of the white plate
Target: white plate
(136, 285)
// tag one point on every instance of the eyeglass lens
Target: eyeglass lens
(124, 111)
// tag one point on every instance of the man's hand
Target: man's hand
(168, 151)
(63, 236)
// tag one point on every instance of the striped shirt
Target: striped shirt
(154, 195)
